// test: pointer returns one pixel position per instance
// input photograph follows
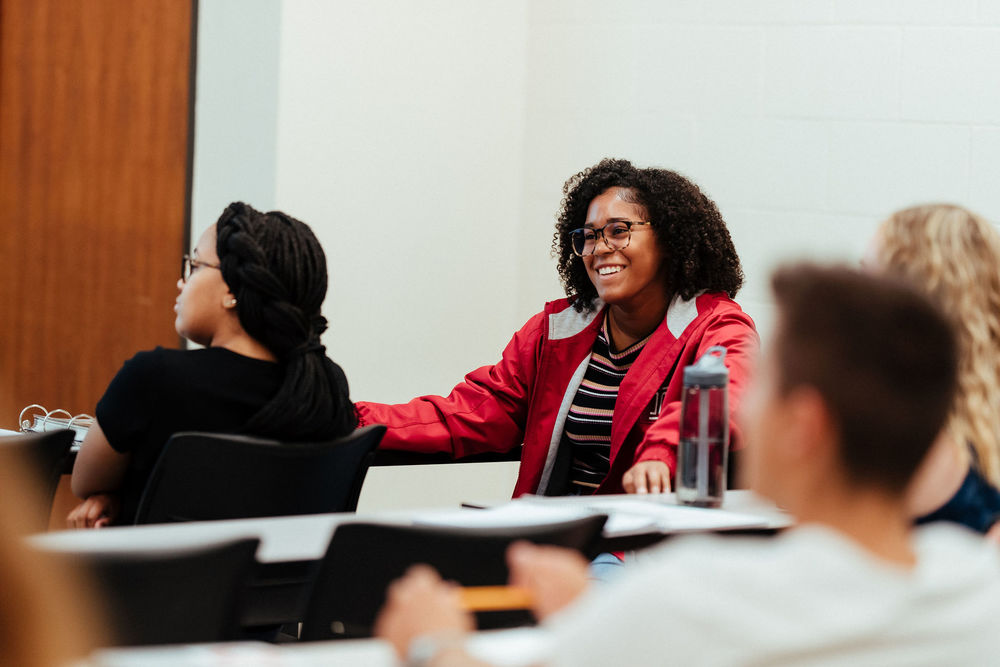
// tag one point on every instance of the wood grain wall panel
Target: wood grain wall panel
(94, 127)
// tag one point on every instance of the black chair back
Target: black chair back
(364, 558)
(47, 453)
(176, 596)
(205, 476)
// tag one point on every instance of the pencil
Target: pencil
(495, 598)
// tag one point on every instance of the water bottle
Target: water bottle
(703, 451)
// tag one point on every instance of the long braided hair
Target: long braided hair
(276, 269)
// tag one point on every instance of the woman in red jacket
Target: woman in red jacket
(592, 385)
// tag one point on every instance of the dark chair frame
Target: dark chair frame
(398, 457)
(206, 476)
(395, 457)
(364, 558)
(48, 454)
(173, 596)
(184, 486)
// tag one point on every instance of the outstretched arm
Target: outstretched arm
(485, 412)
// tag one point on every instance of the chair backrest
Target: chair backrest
(48, 453)
(204, 476)
(176, 596)
(364, 558)
(399, 457)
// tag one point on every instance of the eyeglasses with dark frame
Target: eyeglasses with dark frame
(616, 235)
(189, 264)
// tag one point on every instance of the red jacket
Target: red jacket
(525, 397)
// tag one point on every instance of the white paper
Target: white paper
(625, 516)
(516, 647)
(677, 518)
(510, 515)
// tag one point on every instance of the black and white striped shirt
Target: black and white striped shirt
(588, 424)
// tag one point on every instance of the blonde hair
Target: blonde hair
(954, 255)
(46, 619)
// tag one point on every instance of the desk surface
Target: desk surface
(291, 542)
(282, 539)
(345, 653)
(304, 538)
(505, 648)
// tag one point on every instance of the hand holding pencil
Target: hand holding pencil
(421, 604)
(552, 576)
(543, 579)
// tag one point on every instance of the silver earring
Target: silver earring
(232, 302)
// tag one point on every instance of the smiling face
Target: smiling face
(205, 303)
(631, 278)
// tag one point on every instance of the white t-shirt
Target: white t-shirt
(807, 597)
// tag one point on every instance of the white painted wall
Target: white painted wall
(399, 139)
(427, 142)
(236, 107)
(807, 121)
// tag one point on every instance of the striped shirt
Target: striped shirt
(588, 423)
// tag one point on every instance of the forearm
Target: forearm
(479, 415)
(98, 468)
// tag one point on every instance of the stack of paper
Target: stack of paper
(672, 518)
(513, 514)
(625, 516)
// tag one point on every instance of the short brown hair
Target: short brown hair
(881, 355)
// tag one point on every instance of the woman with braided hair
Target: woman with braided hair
(250, 293)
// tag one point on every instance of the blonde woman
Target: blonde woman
(954, 255)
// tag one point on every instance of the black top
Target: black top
(160, 392)
(976, 504)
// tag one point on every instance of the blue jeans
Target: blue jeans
(605, 568)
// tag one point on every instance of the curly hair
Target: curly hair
(953, 255)
(692, 236)
(275, 267)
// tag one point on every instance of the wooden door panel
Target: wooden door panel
(95, 99)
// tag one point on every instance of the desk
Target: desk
(289, 552)
(290, 547)
(346, 653)
(305, 538)
(282, 539)
(503, 648)
(639, 521)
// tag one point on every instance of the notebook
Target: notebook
(36, 418)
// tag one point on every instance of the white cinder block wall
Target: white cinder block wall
(427, 142)
(399, 138)
(806, 121)
(236, 108)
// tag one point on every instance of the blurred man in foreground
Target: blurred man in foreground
(854, 388)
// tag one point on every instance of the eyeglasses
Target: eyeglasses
(616, 236)
(189, 264)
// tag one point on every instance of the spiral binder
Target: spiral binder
(37, 418)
